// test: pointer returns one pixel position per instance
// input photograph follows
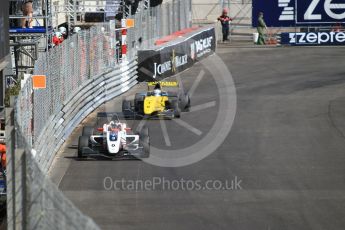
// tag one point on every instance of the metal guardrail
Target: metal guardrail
(93, 93)
(34, 202)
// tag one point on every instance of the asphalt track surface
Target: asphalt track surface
(286, 151)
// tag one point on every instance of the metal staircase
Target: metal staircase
(71, 10)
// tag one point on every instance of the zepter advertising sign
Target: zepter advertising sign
(300, 12)
(313, 38)
(320, 12)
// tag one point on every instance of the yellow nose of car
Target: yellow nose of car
(154, 104)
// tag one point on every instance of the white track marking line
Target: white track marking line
(196, 83)
(165, 133)
(207, 105)
(188, 126)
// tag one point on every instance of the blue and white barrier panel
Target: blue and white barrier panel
(313, 39)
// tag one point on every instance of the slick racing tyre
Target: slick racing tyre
(144, 132)
(187, 105)
(176, 108)
(83, 142)
(145, 142)
(139, 103)
(146, 149)
(126, 108)
(126, 105)
(87, 131)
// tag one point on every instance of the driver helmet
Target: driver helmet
(112, 125)
(62, 30)
(118, 125)
(157, 92)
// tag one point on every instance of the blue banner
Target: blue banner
(313, 39)
(284, 13)
(273, 12)
(320, 12)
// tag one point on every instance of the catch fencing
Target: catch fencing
(79, 58)
(83, 72)
(33, 201)
(158, 21)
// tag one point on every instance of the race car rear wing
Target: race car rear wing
(162, 83)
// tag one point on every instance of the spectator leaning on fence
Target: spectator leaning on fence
(261, 29)
(27, 12)
(225, 21)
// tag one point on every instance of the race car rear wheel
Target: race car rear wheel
(144, 139)
(176, 108)
(146, 147)
(144, 142)
(83, 142)
(187, 107)
(87, 131)
(144, 132)
(126, 108)
(139, 103)
(126, 105)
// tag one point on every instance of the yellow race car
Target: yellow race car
(157, 103)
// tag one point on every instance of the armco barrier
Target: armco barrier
(34, 202)
(92, 94)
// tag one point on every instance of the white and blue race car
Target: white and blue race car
(114, 139)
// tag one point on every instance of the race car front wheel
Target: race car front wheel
(87, 131)
(83, 142)
(145, 142)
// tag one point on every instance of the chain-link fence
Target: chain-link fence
(33, 201)
(80, 57)
(159, 21)
(90, 53)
